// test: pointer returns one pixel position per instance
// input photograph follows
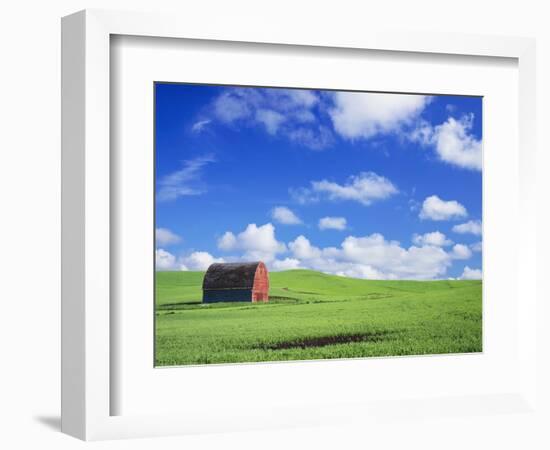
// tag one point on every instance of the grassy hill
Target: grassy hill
(312, 315)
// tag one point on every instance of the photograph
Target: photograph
(297, 224)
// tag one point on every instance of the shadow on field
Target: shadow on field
(179, 305)
(322, 341)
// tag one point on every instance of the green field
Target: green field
(311, 315)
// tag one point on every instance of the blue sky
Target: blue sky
(369, 185)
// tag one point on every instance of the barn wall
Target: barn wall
(258, 296)
(260, 291)
(227, 295)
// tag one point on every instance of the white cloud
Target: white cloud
(461, 251)
(471, 274)
(455, 144)
(286, 113)
(164, 260)
(231, 106)
(372, 257)
(452, 140)
(302, 249)
(183, 182)
(285, 264)
(285, 216)
(332, 223)
(304, 116)
(195, 261)
(257, 242)
(260, 238)
(272, 120)
(369, 256)
(363, 188)
(477, 246)
(198, 261)
(200, 125)
(435, 208)
(397, 262)
(301, 97)
(364, 115)
(315, 138)
(164, 236)
(298, 116)
(434, 238)
(227, 242)
(303, 195)
(472, 226)
(422, 133)
(360, 271)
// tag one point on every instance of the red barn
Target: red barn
(236, 282)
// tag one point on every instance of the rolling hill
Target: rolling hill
(312, 315)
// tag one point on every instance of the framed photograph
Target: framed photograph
(305, 200)
(268, 229)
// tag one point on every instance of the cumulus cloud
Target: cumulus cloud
(472, 226)
(364, 188)
(332, 223)
(227, 242)
(287, 113)
(198, 261)
(453, 141)
(185, 181)
(392, 259)
(372, 257)
(164, 260)
(285, 216)
(435, 208)
(364, 115)
(434, 238)
(232, 105)
(461, 251)
(360, 271)
(164, 236)
(477, 246)
(285, 264)
(471, 274)
(302, 249)
(257, 242)
(295, 97)
(272, 120)
(312, 119)
(455, 144)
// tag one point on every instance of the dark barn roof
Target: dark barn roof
(230, 275)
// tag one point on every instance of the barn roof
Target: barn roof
(230, 275)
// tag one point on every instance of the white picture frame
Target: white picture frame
(87, 386)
